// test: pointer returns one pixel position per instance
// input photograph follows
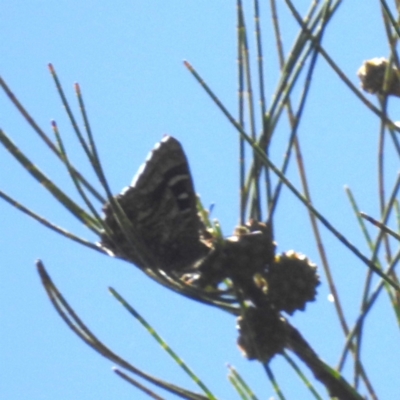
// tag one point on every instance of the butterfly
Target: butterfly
(160, 205)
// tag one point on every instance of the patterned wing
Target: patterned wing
(161, 205)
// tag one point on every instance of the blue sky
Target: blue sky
(127, 57)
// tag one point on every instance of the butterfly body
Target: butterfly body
(160, 205)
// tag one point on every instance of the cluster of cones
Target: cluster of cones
(266, 284)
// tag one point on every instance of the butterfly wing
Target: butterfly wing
(161, 205)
